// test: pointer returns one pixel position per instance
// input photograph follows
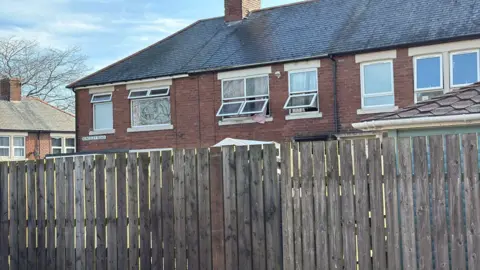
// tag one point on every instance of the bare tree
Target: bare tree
(44, 72)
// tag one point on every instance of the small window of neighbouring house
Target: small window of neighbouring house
(150, 107)
(428, 77)
(69, 145)
(377, 84)
(19, 147)
(244, 97)
(57, 145)
(102, 112)
(5, 146)
(464, 68)
(303, 91)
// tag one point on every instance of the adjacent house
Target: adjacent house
(31, 128)
(304, 71)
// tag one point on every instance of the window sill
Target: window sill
(101, 132)
(243, 120)
(377, 110)
(150, 128)
(305, 115)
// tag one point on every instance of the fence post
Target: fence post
(216, 200)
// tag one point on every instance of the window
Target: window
(150, 107)
(244, 97)
(464, 68)
(69, 145)
(428, 72)
(19, 147)
(303, 91)
(5, 146)
(377, 84)
(102, 111)
(57, 145)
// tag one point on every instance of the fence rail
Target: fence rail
(318, 205)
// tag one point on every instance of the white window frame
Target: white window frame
(57, 147)
(99, 102)
(12, 142)
(362, 85)
(6, 147)
(303, 93)
(428, 89)
(64, 147)
(74, 147)
(244, 98)
(477, 51)
(149, 96)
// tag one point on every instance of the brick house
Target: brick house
(305, 71)
(30, 128)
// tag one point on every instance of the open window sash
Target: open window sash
(300, 101)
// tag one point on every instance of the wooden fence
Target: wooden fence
(330, 205)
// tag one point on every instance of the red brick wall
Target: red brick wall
(38, 141)
(196, 99)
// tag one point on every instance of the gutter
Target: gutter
(423, 122)
(93, 86)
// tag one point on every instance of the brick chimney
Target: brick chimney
(10, 89)
(235, 10)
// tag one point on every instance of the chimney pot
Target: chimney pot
(236, 10)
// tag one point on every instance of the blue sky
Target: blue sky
(105, 30)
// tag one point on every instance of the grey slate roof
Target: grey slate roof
(32, 114)
(462, 101)
(303, 30)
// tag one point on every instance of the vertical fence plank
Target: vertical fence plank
(32, 212)
(457, 231)
(101, 252)
(243, 205)
(4, 215)
(297, 210)
(143, 176)
(111, 213)
(156, 210)
(69, 214)
(230, 209)
(472, 198)
(132, 211)
(50, 189)
(13, 216)
(216, 200)
(376, 204)
(79, 214)
(406, 203)
(179, 206)
(273, 208)
(22, 216)
(391, 202)
(167, 211)
(90, 214)
(439, 233)
(423, 203)
(122, 250)
(320, 204)
(307, 206)
(205, 249)
(361, 205)
(191, 208)
(257, 208)
(40, 199)
(334, 217)
(348, 205)
(60, 211)
(287, 206)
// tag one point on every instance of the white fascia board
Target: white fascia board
(421, 122)
(244, 73)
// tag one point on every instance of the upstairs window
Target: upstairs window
(464, 68)
(150, 107)
(244, 97)
(5, 146)
(377, 84)
(102, 111)
(428, 77)
(303, 91)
